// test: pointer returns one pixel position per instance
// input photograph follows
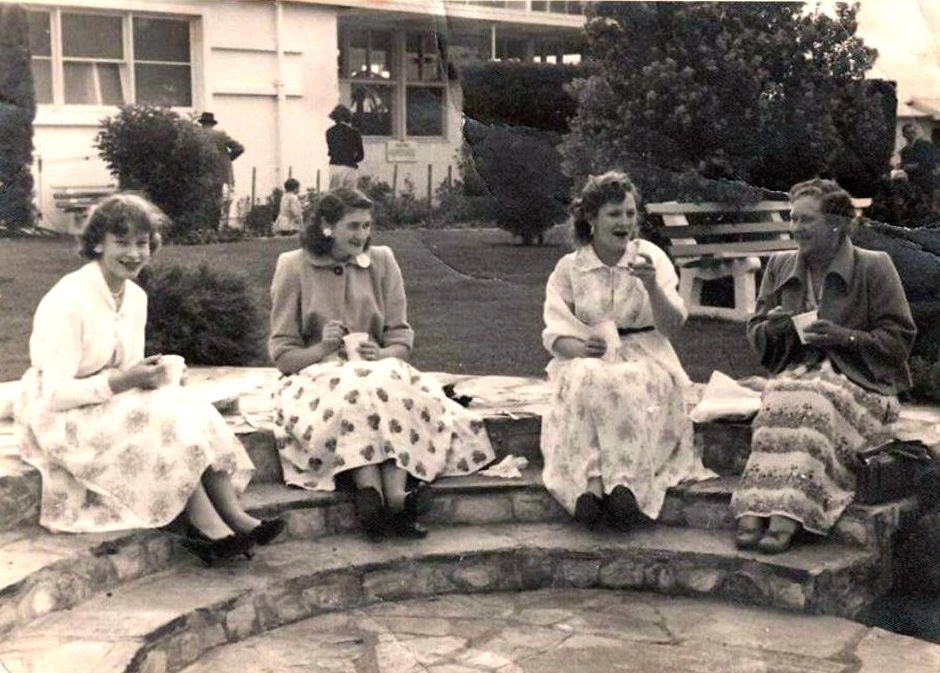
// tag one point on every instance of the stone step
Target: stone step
(41, 572)
(166, 621)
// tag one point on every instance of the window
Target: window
(396, 82)
(83, 58)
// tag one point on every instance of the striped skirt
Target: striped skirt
(809, 426)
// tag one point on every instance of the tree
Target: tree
(17, 110)
(762, 93)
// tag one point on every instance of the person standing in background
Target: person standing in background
(344, 145)
(918, 159)
(229, 150)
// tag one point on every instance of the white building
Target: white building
(270, 71)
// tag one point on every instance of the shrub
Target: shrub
(17, 110)
(170, 159)
(209, 317)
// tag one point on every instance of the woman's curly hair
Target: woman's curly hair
(610, 187)
(118, 214)
(330, 210)
(834, 202)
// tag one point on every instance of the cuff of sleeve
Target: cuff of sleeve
(399, 337)
(102, 387)
(277, 350)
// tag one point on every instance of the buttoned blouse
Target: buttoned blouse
(80, 336)
(367, 294)
(583, 292)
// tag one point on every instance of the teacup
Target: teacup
(803, 320)
(173, 368)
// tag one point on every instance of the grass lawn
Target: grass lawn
(474, 299)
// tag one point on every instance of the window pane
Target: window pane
(92, 36)
(163, 84)
(93, 84)
(425, 111)
(370, 54)
(161, 40)
(575, 7)
(539, 6)
(42, 80)
(40, 42)
(423, 58)
(371, 106)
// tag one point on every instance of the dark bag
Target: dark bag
(889, 471)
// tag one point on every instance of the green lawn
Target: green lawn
(474, 298)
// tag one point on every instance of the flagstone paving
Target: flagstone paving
(571, 631)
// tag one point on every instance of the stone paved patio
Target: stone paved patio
(570, 631)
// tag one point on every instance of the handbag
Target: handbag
(889, 471)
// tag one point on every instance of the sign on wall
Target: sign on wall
(401, 152)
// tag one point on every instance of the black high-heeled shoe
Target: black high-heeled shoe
(211, 552)
(418, 501)
(403, 525)
(265, 532)
(370, 513)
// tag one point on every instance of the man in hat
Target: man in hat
(228, 149)
(344, 144)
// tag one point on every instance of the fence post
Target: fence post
(290, 172)
(254, 177)
(318, 181)
(394, 180)
(430, 182)
(450, 176)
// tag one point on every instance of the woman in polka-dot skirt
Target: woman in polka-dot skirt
(349, 401)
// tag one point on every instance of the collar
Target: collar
(842, 265)
(587, 260)
(95, 275)
(363, 260)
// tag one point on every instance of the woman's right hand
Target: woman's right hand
(572, 347)
(778, 321)
(332, 337)
(148, 374)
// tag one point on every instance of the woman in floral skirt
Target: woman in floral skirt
(349, 401)
(617, 435)
(117, 446)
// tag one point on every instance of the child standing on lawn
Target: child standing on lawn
(118, 442)
(290, 219)
(349, 401)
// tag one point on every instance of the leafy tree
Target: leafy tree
(154, 150)
(760, 93)
(17, 110)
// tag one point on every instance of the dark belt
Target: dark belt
(625, 331)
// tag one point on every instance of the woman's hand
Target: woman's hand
(332, 337)
(643, 268)
(827, 334)
(572, 347)
(778, 322)
(595, 347)
(148, 374)
(369, 350)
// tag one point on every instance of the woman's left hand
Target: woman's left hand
(643, 268)
(826, 334)
(369, 350)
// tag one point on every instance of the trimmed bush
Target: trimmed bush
(209, 317)
(171, 159)
(17, 110)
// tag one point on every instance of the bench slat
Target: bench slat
(738, 249)
(676, 208)
(779, 227)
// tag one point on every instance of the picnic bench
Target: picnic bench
(709, 241)
(77, 201)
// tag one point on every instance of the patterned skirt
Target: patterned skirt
(339, 416)
(130, 462)
(624, 422)
(809, 426)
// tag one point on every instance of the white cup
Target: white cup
(351, 343)
(802, 320)
(173, 368)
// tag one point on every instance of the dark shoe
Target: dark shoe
(779, 535)
(211, 552)
(588, 509)
(403, 525)
(370, 512)
(265, 532)
(750, 531)
(419, 500)
(622, 510)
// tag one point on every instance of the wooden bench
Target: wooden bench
(717, 240)
(77, 201)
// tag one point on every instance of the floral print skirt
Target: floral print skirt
(130, 462)
(624, 422)
(339, 416)
(809, 426)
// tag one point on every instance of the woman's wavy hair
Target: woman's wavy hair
(834, 202)
(119, 214)
(610, 187)
(330, 210)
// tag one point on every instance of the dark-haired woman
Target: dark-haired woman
(617, 435)
(360, 408)
(116, 446)
(834, 390)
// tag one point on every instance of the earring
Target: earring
(327, 232)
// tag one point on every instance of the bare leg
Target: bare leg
(219, 489)
(596, 486)
(203, 515)
(393, 482)
(368, 476)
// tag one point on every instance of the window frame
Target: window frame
(126, 65)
